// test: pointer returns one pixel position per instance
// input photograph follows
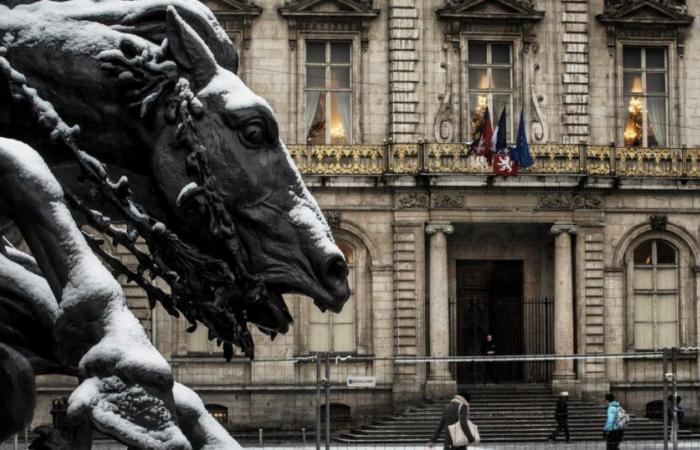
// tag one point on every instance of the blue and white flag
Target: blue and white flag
(498, 142)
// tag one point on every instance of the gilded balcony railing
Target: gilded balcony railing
(454, 158)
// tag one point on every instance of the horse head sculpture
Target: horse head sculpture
(206, 149)
(146, 89)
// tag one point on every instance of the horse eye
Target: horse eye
(253, 134)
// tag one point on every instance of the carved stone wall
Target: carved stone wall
(404, 71)
(575, 74)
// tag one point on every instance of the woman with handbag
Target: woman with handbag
(459, 430)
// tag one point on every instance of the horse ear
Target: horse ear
(189, 50)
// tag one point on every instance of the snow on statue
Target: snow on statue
(130, 112)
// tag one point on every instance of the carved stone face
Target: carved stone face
(283, 234)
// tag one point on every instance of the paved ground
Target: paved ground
(630, 445)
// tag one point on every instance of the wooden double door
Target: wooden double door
(489, 301)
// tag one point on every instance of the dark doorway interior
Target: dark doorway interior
(489, 301)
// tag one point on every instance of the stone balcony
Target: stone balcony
(560, 165)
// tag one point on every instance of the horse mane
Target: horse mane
(147, 20)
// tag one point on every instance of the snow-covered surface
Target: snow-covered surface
(235, 93)
(50, 19)
(189, 404)
(184, 192)
(307, 214)
(114, 405)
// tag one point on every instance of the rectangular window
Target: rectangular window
(490, 83)
(328, 91)
(656, 298)
(645, 90)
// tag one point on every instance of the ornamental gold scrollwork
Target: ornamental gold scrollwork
(299, 155)
(404, 158)
(347, 159)
(555, 158)
(598, 160)
(454, 158)
(692, 162)
(649, 162)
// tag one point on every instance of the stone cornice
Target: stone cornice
(490, 10)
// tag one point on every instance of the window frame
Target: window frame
(644, 70)
(654, 291)
(517, 80)
(672, 82)
(355, 85)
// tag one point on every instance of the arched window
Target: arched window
(336, 332)
(655, 295)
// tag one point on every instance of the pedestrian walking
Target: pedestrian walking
(561, 415)
(677, 421)
(455, 412)
(488, 348)
(615, 424)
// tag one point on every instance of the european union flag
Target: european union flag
(521, 151)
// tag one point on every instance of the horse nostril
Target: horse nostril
(335, 278)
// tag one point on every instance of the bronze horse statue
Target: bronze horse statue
(131, 112)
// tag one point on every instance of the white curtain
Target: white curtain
(343, 101)
(656, 107)
(311, 108)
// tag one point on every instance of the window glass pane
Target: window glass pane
(340, 118)
(340, 52)
(642, 254)
(478, 79)
(642, 278)
(656, 119)
(340, 77)
(668, 335)
(316, 316)
(666, 279)
(656, 83)
(500, 53)
(501, 78)
(665, 253)
(477, 107)
(348, 252)
(351, 277)
(635, 122)
(643, 308)
(632, 82)
(315, 52)
(501, 101)
(315, 77)
(632, 57)
(318, 338)
(477, 53)
(655, 58)
(643, 336)
(316, 117)
(343, 337)
(347, 315)
(667, 307)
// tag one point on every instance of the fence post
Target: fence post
(328, 402)
(665, 397)
(318, 402)
(674, 425)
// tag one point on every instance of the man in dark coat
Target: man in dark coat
(488, 348)
(561, 415)
(457, 410)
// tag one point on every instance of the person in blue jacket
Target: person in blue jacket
(613, 435)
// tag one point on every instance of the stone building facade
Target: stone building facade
(377, 100)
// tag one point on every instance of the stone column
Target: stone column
(439, 304)
(563, 300)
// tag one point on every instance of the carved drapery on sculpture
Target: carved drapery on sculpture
(646, 19)
(328, 16)
(235, 17)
